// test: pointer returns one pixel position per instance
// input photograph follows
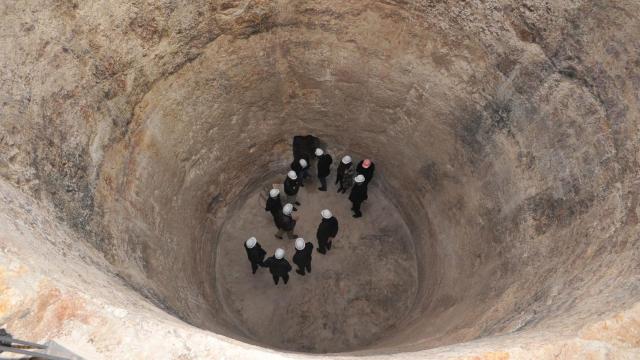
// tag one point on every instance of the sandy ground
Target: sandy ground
(356, 292)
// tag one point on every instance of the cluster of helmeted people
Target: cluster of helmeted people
(282, 205)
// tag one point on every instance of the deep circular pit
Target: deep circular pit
(505, 136)
(360, 291)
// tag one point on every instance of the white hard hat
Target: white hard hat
(346, 159)
(279, 253)
(292, 175)
(251, 242)
(319, 152)
(274, 192)
(303, 163)
(359, 179)
(326, 214)
(300, 243)
(287, 209)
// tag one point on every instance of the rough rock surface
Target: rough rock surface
(505, 132)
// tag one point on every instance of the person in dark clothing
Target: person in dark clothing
(327, 230)
(324, 168)
(358, 195)
(301, 167)
(291, 187)
(347, 180)
(302, 257)
(274, 204)
(278, 266)
(366, 168)
(286, 223)
(255, 253)
(344, 176)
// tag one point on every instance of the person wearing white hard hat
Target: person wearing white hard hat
(302, 257)
(291, 188)
(301, 167)
(358, 195)
(327, 230)
(278, 266)
(324, 168)
(366, 168)
(286, 223)
(274, 204)
(345, 174)
(255, 253)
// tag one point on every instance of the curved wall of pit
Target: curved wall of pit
(507, 135)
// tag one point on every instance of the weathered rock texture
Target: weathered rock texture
(505, 132)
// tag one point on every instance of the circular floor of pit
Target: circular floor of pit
(355, 294)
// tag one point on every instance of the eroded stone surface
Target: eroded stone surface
(506, 133)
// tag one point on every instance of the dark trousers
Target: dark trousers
(301, 269)
(285, 278)
(356, 208)
(323, 183)
(324, 245)
(255, 265)
(302, 175)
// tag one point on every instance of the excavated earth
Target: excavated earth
(138, 137)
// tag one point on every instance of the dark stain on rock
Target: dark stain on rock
(146, 29)
(548, 211)
(216, 200)
(430, 173)
(499, 112)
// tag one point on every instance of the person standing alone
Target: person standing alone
(302, 257)
(366, 168)
(274, 204)
(324, 168)
(344, 175)
(255, 253)
(327, 230)
(291, 187)
(278, 266)
(358, 195)
(286, 222)
(301, 167)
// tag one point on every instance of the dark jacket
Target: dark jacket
(347, 179)
(255, 254)
(303, 257)
(324, 165)
(327, 228)
(295, 166)
(278, 266)
(358, 193)
(367, 173)
(285, 222)
(274, 205)
(291, 186)
(341, 169)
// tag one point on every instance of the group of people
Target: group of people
(282, 206)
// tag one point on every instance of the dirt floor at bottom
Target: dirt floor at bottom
(354, 295)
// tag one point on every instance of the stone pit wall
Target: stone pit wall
(506, 130)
